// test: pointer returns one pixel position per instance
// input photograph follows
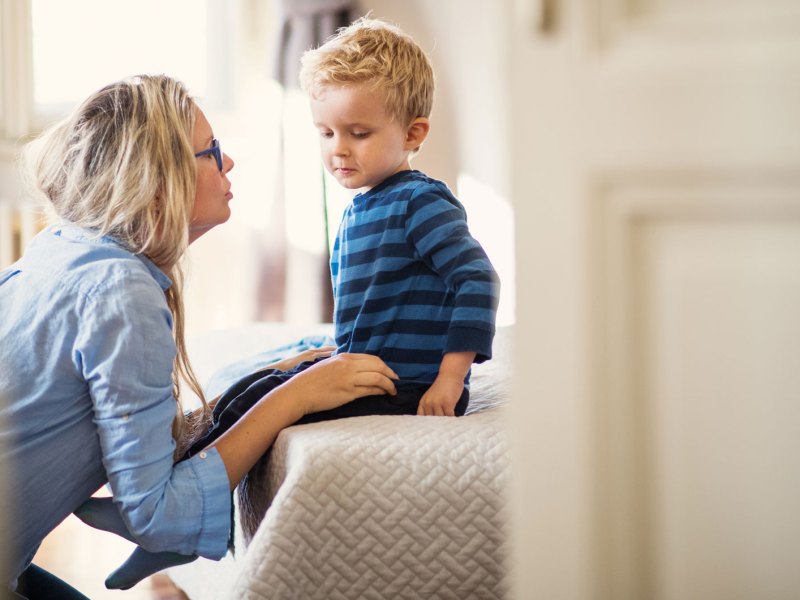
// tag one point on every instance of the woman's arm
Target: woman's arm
(193, 417)
(126, 350)
(325, 385)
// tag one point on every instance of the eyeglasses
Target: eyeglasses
(215, 150)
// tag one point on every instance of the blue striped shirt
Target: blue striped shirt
(409, 281)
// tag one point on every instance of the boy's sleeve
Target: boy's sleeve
(437, 228)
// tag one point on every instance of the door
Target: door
(656, 183)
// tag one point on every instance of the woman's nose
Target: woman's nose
(227, 163)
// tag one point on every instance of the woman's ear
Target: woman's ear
(416, 133)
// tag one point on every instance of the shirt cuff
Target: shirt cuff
(469, 339)
(215, 524)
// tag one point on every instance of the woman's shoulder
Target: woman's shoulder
(91, 265)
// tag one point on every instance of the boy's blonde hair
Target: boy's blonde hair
(379, 54)
(122, 164)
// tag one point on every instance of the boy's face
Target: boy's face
(361, 145)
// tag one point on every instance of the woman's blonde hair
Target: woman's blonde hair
(122, 164)
(379, 54)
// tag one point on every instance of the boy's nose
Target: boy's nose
(340, 148)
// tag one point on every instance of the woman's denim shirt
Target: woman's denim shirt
(86, 397)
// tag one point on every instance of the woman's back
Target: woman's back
(69, 306)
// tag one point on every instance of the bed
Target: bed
(365, 507)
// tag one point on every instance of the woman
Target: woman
(93, 351)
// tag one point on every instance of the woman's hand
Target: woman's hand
(340, 379)
(306, 355)
(324, 385)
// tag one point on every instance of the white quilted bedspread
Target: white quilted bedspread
(381, 507)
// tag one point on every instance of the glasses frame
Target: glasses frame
(215, 150)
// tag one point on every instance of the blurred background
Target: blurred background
(270, 260)
(632, 168)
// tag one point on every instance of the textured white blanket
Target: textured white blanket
(380, 507)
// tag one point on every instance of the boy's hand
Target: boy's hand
(441, 398)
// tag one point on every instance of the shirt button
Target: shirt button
(203, 454)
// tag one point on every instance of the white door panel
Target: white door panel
(656, 183)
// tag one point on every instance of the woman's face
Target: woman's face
(213, 188)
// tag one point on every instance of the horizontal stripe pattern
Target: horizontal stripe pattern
(410, 282)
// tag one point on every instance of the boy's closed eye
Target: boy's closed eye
(360, 135)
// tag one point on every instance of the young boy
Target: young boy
(410, 283)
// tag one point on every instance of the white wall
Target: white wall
(9, 180)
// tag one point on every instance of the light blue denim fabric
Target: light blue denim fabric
(86, 356)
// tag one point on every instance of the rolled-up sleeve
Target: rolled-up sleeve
(126, 353)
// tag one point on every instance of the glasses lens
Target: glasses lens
(217, 153)
(215, 150)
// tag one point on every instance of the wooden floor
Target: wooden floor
(83, 557)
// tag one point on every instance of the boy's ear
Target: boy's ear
(417, 132)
